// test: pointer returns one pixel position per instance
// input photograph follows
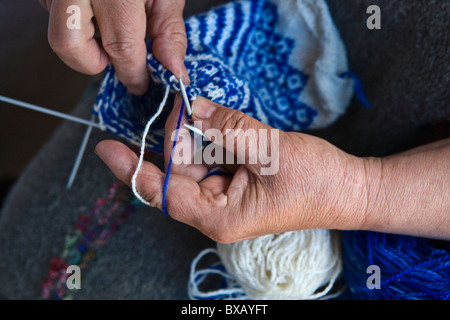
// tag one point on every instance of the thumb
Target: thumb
(248, 139)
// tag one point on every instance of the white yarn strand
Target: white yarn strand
(233, 291)
(144, 136)
(298, 265)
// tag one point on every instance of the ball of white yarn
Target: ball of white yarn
(291, 265)
(296, 265)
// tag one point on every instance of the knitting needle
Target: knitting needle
(49, 111)
(76, 165)
(185, 98)
(194, 129)
(90, 125)
(205, 140)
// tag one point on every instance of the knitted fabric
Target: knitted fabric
(279, 61)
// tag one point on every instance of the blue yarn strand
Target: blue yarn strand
(358, 88)
(213, 172)
(166, 181)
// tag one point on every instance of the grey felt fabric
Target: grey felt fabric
(404, 68)
(405, 71)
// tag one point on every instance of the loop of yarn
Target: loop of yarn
(142, 151)
(298, 265)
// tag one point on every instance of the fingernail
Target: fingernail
(202, 108)
(186, 79)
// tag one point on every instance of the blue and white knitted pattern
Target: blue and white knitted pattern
(279, 61)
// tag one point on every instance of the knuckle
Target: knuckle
(151, 197)
(179, 39)
(234, 120)
(170, 38)
(120, 50)
(171, 27)
(149, 192)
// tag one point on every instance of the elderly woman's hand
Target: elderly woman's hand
(292, 182)
(288, 181)
(123, 26)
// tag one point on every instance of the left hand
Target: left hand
(315, 184)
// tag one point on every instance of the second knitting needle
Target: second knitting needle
(186, 100)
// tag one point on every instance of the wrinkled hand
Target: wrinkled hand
(316, 185)
(123, 26)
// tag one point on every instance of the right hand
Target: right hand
(123, 26)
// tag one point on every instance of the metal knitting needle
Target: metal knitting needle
(80, 154)
(90, 125)
(205, 141)
(185, 98)
(194, 129)
(49, 111)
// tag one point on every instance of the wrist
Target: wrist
(372, 200)
(357, 193)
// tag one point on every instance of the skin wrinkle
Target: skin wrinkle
(164, 42)
(275, 217)
(150, 191)
(171, 28)
(368, 177)
(308, 203)
(179, 4)
(125, 30)
(285, 220)
(226, 122)
(288, 163)
(350, 187)
(120, 50)
(284, 190)
(176, 202)
(215, 228)
(243, 214)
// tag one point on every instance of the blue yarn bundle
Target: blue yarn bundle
(411, 268)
